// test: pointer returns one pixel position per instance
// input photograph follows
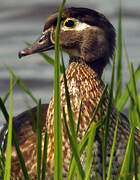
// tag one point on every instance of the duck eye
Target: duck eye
(69, 23)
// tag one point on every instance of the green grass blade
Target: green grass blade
(109, 109)
(131, 110)
(46, 57)
(21, 160)
(39, 140)
(125, 95)
(135, 94)
(7, 172)
(132, 76)
(15, 140)
(72, 124)
(127, 58)
(21, 85)
(4, 111)
(6, 96)
(103, 76)
(74, 149)
(81, 148)
(119, 56)
(49, 60)
(97, 107)
(113, 148)
(2, 159)
(46, 139)
(138, 167)
(79, 117)
(135, 163)
(89, 158)
(8, 93)
(57, 106)
(133, 114)
(71, 120)
(84, 139)
(131, 161)
(134, 84)
(77, 129)
(127, 157)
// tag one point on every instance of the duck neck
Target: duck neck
(96, 65)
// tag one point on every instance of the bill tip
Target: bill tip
(21, 53)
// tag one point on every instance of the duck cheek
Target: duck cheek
(69, 39)
(94, 45)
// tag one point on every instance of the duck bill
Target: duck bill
(40, 45)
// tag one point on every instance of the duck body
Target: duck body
(84, 85)
(89, 39)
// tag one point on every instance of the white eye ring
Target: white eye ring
(69, 23)
(78, 26)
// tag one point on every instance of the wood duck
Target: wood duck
(89, 39)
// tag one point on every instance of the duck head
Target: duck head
(84, 34)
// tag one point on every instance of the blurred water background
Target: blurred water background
(22, 21)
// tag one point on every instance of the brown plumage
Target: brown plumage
(89, 39)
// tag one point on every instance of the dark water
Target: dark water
(22, 21)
